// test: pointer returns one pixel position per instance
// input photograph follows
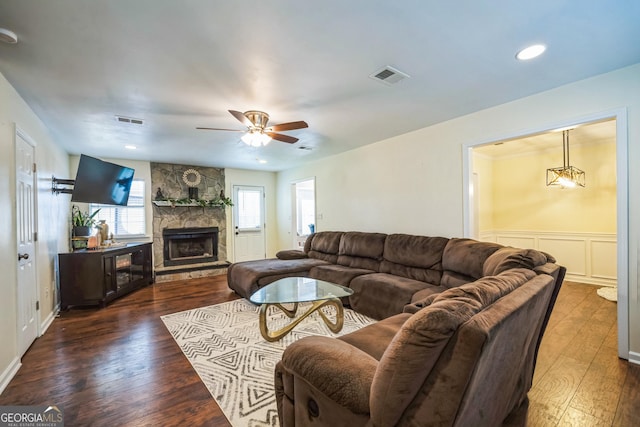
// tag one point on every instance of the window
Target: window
(249, 209)
(125, 221)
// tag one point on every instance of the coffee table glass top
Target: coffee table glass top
(298, 289)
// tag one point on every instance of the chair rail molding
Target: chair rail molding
(589, 257)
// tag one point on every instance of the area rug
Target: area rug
(610, 294)
(224, 346)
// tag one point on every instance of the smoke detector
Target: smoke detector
(389, 75)
(8, 36)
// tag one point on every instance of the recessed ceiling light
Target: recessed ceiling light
(8, 36)
(130, 147)
(261, 161)
(531, 52)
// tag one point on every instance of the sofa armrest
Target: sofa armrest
(291, 254)
(340, 371)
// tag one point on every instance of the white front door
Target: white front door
(248, 222)
(27, 295)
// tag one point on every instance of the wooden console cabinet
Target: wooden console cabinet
(97, 276)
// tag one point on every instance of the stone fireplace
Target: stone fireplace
(192, 245)
(188, 241)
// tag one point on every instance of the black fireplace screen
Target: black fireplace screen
(190, 245)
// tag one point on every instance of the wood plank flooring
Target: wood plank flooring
(119, 366)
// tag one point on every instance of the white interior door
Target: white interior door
(249, 224)
(27, 295)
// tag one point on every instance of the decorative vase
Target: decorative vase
(193, 193)
(104, 230)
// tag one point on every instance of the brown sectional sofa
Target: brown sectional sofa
(460, 325)
(387, 272)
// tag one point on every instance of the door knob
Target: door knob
(23, 256)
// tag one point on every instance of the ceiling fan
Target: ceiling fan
(257, 131)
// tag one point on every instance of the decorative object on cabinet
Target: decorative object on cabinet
(82, 222)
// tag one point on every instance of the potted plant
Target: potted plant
(82, 222)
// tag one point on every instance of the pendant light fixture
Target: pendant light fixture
(566, 176)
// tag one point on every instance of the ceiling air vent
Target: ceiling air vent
(389, 75)
(130, 120)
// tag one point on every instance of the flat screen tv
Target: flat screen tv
(101, 182)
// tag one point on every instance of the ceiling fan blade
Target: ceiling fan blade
(241, 117)
(289, 126)
(282, 137)
(231, 130)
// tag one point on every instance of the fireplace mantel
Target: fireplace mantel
(171, 204)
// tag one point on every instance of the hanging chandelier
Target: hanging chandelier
(566, 176)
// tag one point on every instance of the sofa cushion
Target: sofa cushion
(361, 250)
(325, 245)
(339, 274)
(382, 295)
(508, 257)
(374, 339)
(246, 277)
(463, 261)
(414, 257)
(416, 348)
(291, 254)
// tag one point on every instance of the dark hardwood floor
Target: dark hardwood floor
(118, 366)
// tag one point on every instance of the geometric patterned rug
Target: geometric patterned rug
(223, 344)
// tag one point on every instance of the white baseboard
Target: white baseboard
(9, 373)
(634, 358)
(49, 320)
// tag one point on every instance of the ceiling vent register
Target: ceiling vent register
(389, 75)
(130, 120)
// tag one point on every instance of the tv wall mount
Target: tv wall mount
(55, 182)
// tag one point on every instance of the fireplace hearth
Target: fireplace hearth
(192, 245)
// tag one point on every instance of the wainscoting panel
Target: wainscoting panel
(603, 259)
(572, 253)
(589, 257)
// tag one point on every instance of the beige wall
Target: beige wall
(413, 182)
(483, 168)
(515, 187)
(52, 218)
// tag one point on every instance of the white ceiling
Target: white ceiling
(584, 134)
(178, 65)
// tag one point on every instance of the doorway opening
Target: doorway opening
(303, 216)
(507, 201)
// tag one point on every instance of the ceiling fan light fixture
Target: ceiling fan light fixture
(255, 138)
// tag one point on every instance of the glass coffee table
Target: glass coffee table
(294, 290)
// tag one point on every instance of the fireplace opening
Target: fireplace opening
(190, 245)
